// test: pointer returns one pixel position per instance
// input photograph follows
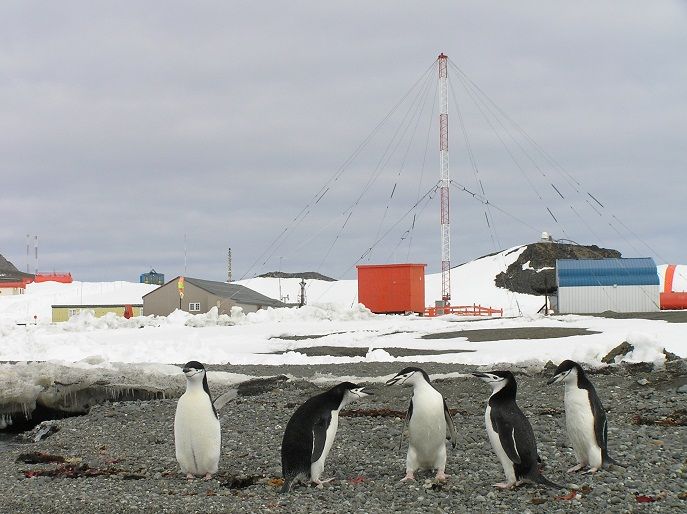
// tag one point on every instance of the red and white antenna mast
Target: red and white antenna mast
(444, 181)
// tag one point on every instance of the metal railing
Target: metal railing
(463, 310)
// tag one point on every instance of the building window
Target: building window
(73, 312)
(194, 307)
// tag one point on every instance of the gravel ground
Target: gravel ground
(124, 452)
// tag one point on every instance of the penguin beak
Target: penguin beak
(359, 392)
(190, 372)
(393, 380)
(554, 380)
(481, 376)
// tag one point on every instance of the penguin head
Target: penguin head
(349, 392)
(565, 372)
(496, 379)
(194, 371)
(409, 377)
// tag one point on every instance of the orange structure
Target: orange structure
(64, 278)
(669, 299)
(392, 288)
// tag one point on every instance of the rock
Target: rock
(258, 386)
(621, 350)
(670, 356)
(549, 367)
(41, 431)
(677, 367)
(642, 381)
(682, 388)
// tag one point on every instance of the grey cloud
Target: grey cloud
(127, 125)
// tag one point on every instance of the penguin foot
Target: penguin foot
(575, 469)
(320, 483)
(590, 471)
(505, 485)
(409, 476)
(207, 476)
(442, 477)
(190, 476)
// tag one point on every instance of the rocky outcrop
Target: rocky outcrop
(307, 275)
(534, 270)
(9, 271)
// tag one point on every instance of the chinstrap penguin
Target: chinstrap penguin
(510, 433)
(310, 433)
(197, 436)
(585, 418)
(428, 419)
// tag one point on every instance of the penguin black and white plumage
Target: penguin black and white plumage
(310, 433)
(510, 433)
(428, 419)
(585, 418)
(197, 436)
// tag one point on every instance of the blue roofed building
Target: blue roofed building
(587, 286)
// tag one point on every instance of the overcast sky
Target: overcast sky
(129, 127)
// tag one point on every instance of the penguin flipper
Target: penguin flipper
(409, 413)
(225, 398)
(319, 434)
(506, 432)
(600, 421)
(451, 427)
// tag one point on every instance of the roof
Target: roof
(16, 284)
(95, 305)
(235, 292)
(606, 272)
(399, 265)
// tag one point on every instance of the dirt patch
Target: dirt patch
(501, 334)
(676, 419)
(303, 337)
(81, 471)
(669, 316)
(345, 351)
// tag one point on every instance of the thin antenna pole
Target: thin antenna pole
(229, 265)
(28, 244)
(185, 254)
(35, 247)
(444, 181)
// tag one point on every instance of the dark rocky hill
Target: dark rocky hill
(9, 271)
(540, 275)
(308, 275)
(6, 265)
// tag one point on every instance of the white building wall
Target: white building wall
(7, 291)
(595, 299)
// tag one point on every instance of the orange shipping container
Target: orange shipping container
(392, 288)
